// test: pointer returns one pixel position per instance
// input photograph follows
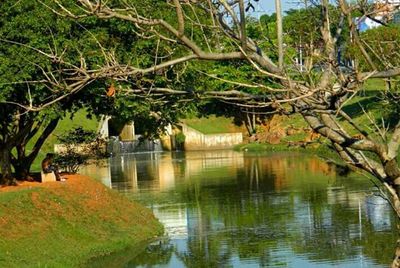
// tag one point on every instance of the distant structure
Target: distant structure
(387, 8)
(366, 23)
(385, 11)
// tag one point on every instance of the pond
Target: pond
(238, 209)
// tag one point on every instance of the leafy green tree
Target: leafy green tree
(26, 22)
(30, 109)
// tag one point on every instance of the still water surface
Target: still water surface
(235, 209)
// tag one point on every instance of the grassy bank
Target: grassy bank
(322, 150)
(63, 224)
(214, 125)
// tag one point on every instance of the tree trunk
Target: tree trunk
(22, 169)
(5, 162)
(22, 164)
(388, 85)
(249, 125)
(396, 258)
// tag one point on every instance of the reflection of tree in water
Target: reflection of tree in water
(338, 233)
(202, 250)
(329, 238)
(378, 245)
(337, 243)
(279, 172)
(208, 254)
(233, 221)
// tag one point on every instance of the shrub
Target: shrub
(180, 138)
(78, 146)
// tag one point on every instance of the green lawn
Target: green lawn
(214, 125)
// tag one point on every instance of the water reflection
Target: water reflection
(226, 208)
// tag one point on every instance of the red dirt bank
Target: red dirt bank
(72, 179)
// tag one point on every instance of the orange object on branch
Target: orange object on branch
(111, 91)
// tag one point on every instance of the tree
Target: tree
(19, 66)
(302, 26)
(383, 42)
(30, 109)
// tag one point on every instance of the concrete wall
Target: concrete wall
(127, 132)
(116, 146)
(103, 129)
(195, 140)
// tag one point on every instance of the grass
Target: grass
(69, 223)
(374, 84)
(213, 125)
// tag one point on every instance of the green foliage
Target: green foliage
(77, 135)
(70, 121)
(180, 138)
(151, 116)
(79, 145)
(27, 27)
(71, 161)
(302, 28)
(30, 27)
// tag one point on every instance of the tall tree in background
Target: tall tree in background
(279, 31)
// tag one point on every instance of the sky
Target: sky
(268, 6)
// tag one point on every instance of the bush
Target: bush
(71, 162)
(79, 145)
(180, 141)
(180, 138)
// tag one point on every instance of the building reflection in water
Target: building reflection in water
(100, 170)
(159, 171)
